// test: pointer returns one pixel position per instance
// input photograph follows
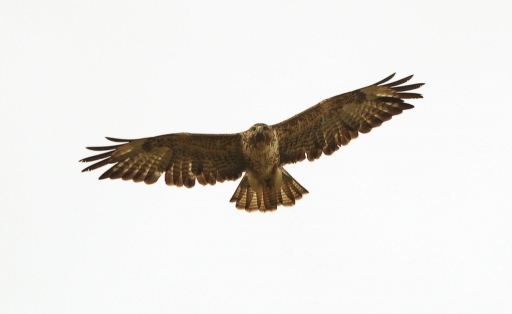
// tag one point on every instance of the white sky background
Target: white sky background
(414, 217)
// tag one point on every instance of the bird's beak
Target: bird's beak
(260, 137)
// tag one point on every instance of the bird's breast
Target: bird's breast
(263, 158)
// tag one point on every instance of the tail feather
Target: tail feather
(266, 197)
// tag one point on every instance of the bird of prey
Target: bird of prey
(261, 152)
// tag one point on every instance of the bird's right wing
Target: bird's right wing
(183, 157)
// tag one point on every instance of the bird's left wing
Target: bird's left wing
(183, 157)
(335, 121)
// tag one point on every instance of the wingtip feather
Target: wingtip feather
(117, 140)
(385, 80)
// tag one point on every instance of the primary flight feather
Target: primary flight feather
(260, 152)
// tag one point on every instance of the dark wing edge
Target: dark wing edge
(335, 121)
(183, 157)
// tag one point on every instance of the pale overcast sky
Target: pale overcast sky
(414, 217)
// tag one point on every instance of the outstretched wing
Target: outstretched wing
(184, 157)
(335, 121)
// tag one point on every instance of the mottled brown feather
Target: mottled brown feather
(335, 121)
(183, 157)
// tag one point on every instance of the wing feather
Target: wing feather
(183, 157)
(334, 122)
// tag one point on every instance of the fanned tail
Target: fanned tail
(283, 189)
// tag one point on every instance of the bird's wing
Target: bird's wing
(335, 121)
(183, 157)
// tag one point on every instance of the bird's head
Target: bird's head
(260, 134)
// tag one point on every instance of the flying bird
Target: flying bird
(261, 152)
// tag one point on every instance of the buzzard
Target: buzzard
(260, 152)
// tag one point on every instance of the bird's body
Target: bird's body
(260, 152)
(265, 184)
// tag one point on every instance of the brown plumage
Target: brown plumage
(260, 152)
